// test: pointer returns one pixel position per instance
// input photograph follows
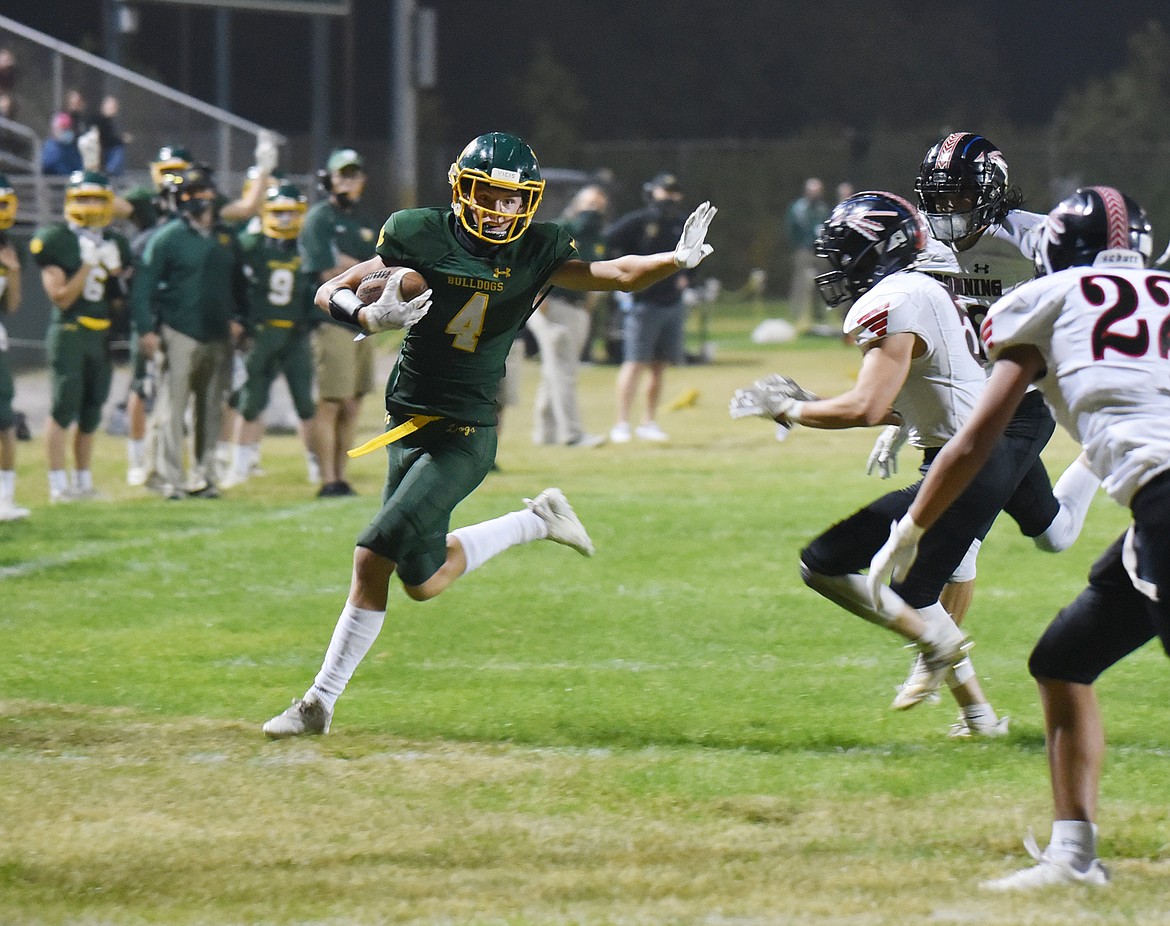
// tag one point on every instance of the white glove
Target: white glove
(266, 152)
(884, 456)
(770, 397)
(89, 250)
(109, 256)
(389, 312)
(893, 561)
(691, 248)
(90, 146)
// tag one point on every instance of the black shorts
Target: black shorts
(1111, 618)
(850, 545)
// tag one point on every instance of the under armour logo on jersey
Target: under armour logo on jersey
(504, 272)
(981, 268)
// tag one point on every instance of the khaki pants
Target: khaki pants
(561, 329)
(190, 370)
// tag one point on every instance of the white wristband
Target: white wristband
(793, 413)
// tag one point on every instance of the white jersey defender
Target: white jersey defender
(944, 381)
(1105, 335)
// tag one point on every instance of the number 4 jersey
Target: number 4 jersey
(1105, 335)
(452, 360)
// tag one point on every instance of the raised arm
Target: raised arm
(632, 272)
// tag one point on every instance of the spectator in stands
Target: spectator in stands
(75, 107)
(7, 70)
(113, 141)
(59, 154)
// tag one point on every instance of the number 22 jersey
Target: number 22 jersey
(1104, 334)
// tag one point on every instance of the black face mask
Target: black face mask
(667, 208)
(590, 221)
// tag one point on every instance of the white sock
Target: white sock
(136, 452)
(242, 460)
(1074, 490)
(7, 485)
(58, 481)
(355, 633)
(482, 541)
(940, 628)
(980, 714)
(1073, 841)
(83, 480)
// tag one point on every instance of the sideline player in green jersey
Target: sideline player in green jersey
(486, 262)
(279, 305)
(9, 302)
(82, 265)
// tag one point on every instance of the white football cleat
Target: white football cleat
(938, 659)
(917, 687)
(136, 476)
(619, 433)
(964, 728)
(564, 526)
(1048, 872)
(302, 717)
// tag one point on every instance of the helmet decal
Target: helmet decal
(1116, 216)
(947, 150)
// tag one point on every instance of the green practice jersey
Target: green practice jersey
(277, 289)
(452, 360)
(58, 246)
(188, 280)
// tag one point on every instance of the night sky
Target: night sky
(661, 68)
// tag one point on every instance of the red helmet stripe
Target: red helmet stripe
(1116, 215)
(946, 150)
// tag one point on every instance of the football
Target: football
(370, 288)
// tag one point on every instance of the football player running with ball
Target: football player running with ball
(1090, 333)
(487, 263)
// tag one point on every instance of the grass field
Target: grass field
(674, 732)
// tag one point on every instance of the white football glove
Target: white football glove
(266, 152)
(884, 456)
(90, 145)
(770, 397)
(109, 255)
(893, 561)
(691, 248)
(90, 250)
(389, 312)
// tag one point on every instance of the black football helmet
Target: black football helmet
(962, 186)
(868, 236)
(1096, 226)
(190, 191)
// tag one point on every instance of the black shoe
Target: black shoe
(333, 490)
(345, 488)
(208, 491)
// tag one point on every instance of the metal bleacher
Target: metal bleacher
(151, 114)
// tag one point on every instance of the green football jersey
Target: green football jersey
(453, 359)
(191, 281)
(277, 289)
(58, 246)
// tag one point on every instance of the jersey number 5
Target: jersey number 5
(467, 325)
